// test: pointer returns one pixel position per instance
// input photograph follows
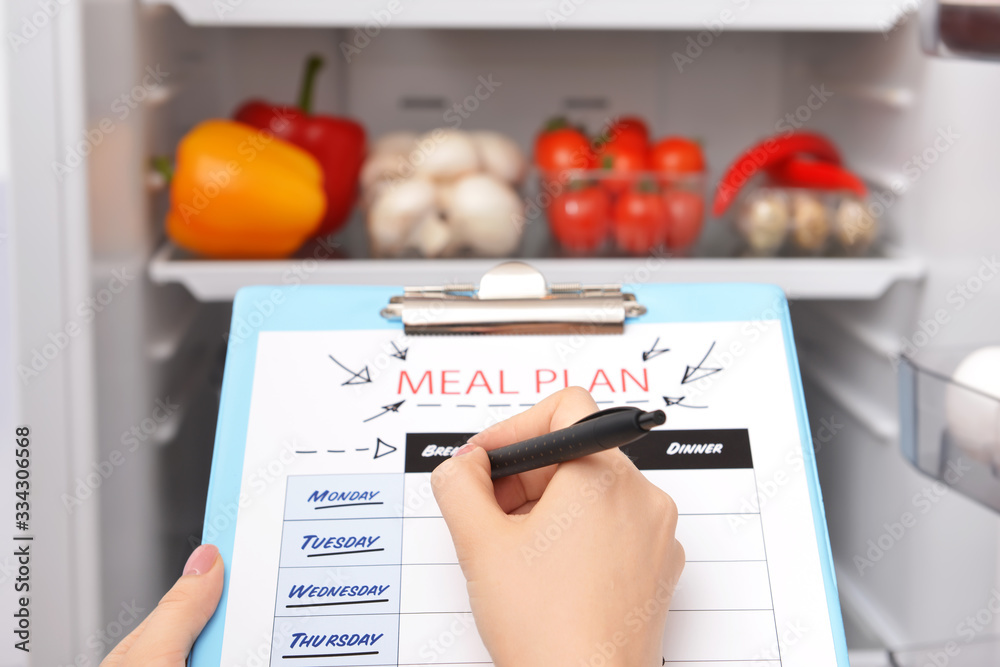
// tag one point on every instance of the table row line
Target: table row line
(416, 540)
(394, 495)
(429, 639)
(416, 589)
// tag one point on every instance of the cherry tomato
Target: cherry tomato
(624, 158)
(685, 211)
(640, 221)
(561, 149)
(677, 155)
(629, 128)
(580, 219)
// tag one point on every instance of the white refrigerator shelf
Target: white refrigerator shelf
(711, 15)
(819, 278)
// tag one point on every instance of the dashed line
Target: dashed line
(499, 405)
(428, 405)
(525, 405)
(305, 451)
(362, 449)
(336, 451)
(465, 405)
(645, 400)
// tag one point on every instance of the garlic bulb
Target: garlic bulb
(810, 222)
(763, 221)
(855, 226)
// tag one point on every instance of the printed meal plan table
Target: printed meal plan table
(378, 560)
(339, 553)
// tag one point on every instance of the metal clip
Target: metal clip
(513, 298)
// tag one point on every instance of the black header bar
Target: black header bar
(692, 450)
(424, 451)
(660, 450)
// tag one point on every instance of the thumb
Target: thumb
(464, 492)
(182, 613)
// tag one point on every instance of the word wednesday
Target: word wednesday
(311, 591)
(463, 382)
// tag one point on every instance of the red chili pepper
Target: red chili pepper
(766, 153)
(337, 143)
(798, 172)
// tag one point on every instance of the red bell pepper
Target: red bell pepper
(766, 153)
(802, 173)
(337, 143)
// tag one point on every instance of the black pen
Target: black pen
(601, 430)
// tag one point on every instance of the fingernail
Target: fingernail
(201, 559)
(464, 449)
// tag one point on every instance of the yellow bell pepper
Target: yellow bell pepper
(239, 192)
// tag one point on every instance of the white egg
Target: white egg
(974, 419)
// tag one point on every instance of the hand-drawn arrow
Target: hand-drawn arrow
(361, 377)
(394, 407)
(670, 400)
(382, 448)
(653, 352)
(695, 373)
(399, 354)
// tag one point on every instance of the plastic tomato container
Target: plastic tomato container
(775, 220)
(595, 211)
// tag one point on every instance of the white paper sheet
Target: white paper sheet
(341, 556)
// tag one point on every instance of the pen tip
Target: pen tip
(648, 420)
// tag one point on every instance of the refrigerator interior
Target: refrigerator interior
(921, 131)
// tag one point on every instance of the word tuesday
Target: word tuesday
(457, 382)
(319, 542)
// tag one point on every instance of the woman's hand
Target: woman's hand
(573, 564)
(165, 637)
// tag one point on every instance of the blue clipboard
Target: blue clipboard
(330, 308)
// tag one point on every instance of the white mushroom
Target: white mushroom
(396, 212)
(486, 215)
(500, 156)
(378, 170)
(431, 236)
(444, 195)
(444, 155)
